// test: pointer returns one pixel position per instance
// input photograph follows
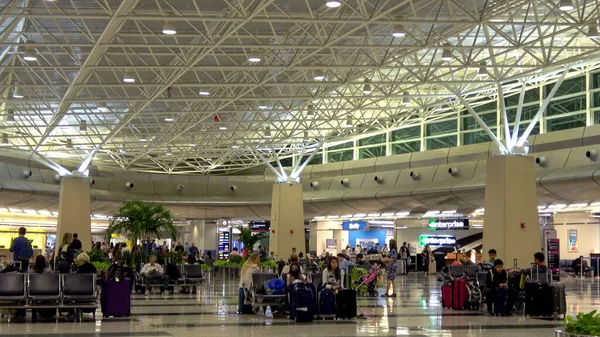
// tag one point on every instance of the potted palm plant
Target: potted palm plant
(136, 220)
(585, 325)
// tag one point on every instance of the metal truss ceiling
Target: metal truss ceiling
(198, 86)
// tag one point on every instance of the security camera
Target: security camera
(344, 182)
(57, 178)
(93, 182)
(591, 154)
(378, 179)
(26, 174)
(453, 171)
(314, 185)
(415, 175)
(542, 161)
(232, 188)
(128, 185)
(180, 188)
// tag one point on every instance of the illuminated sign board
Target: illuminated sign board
(354, 225)
(437, 240)
(450, 224)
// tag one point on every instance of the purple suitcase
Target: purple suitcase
(116, 298)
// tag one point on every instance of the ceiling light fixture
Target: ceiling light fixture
(367, 87)
(83, 126)
(169, 153)
(169, 119)
(10, 116)
(30, 53)
(143, 139)
(192, 142)
(333, 3)
(69, 144)
(122, 149)
(399, 30)
(348, 123)
(4, 140)
(405, 98)
(592, 32)
(310, 110)
(566, 5)
(101, 106)
(447, 52)
(268, 132)
(483, 69)
(222, 128)
(203, 93)
(17, 93)
(129, 77)
(254, 56)
(319, 76)
(169, 28)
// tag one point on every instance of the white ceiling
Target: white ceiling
(84, 48)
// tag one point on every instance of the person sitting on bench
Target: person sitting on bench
(153, 271)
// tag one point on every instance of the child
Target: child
(497, 289)
(295, 275)
(333, 274)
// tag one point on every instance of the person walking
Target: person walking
(65, 255)
(21, 249)
(392, 269)
(426, 258)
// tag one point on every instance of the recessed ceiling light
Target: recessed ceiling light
(169, 28)
(222, 128)
(129, 77)
(367, 87)
(203, 93)
(169, 119)
(592, 32)
(333, 3)
(30, 53)
(319, 76)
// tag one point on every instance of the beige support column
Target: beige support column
(510, 201)
(74, 210)
(287, 220)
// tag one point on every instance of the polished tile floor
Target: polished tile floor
(416, 312)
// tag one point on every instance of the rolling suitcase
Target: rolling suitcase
(346, 304)
(432, 268)
(500, 302)
(447, 296)
(538, 299)
(401, 267)
(302, 302)
(559, 303)
(460, 294)
(116, 299)
(327, 303)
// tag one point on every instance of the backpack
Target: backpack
(26, 252)
(277, 286)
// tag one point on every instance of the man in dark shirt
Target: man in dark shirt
(21, 249)
(76, 244)
(497, 278)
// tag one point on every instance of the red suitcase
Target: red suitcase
(460, 294)
(447, 296)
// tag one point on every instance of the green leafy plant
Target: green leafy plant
(228, 263)
(96, 255)
(585, 324)
(136, 220)
(235, 259)
(205, 267)
(249, 239)
(268, 263)
(101, 265)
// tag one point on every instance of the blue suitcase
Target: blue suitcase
(500, 302)
(303, 302)
(327, 303)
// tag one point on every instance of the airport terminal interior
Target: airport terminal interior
(412, 136)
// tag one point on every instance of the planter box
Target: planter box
(560, 333)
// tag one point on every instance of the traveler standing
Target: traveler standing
(65, 255)
(76, 244)
(405, 256)
(426, 258)
(249, 268)
(21, 249)
(392, 261)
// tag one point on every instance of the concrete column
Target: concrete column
(210, 236)
(197, 234)
(74, 210)
(511, 217)
(287, 220)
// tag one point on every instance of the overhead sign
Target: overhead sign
(354, 225)
(438, 225)
(437, 240)
(260, 226)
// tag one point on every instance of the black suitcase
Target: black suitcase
(538, 299)
(346, 303)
